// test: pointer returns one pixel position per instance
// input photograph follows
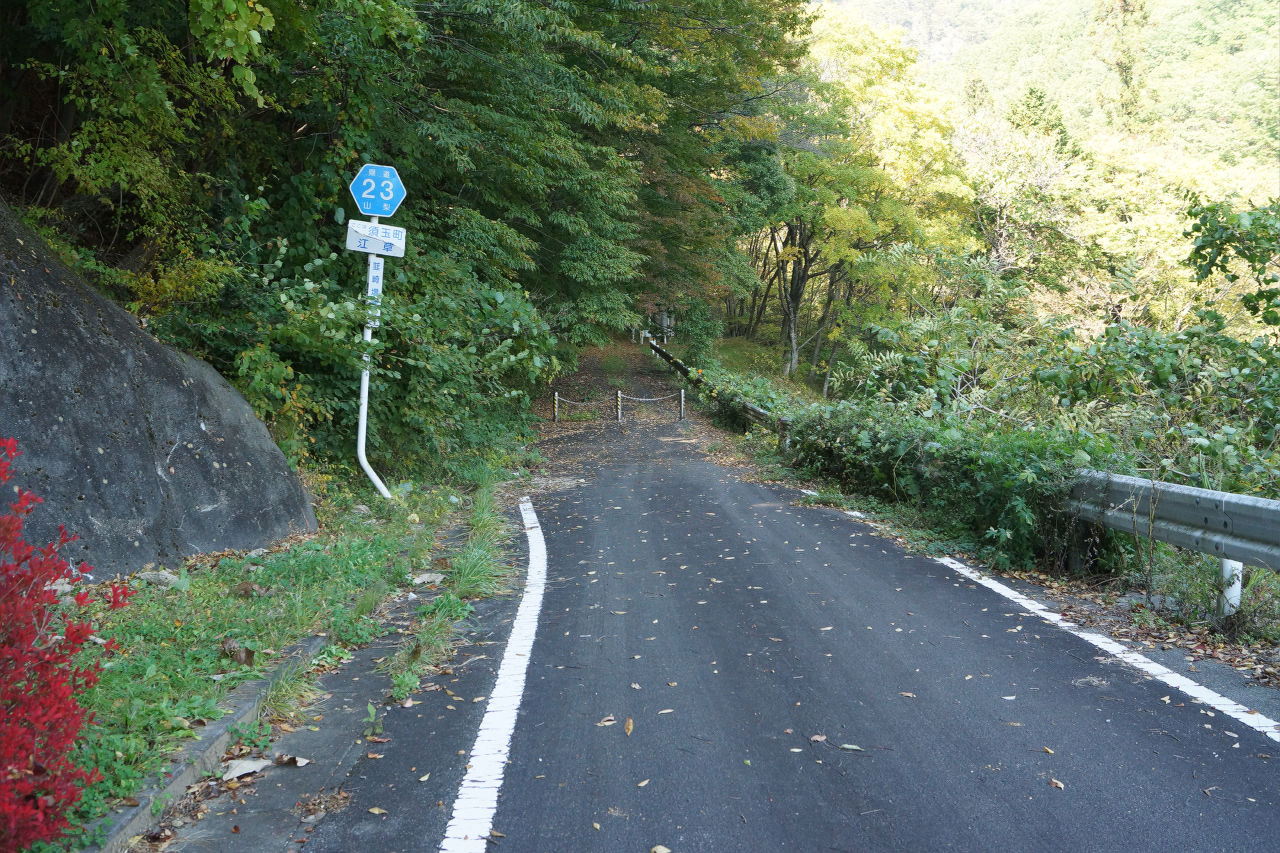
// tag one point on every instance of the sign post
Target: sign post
(378, 192)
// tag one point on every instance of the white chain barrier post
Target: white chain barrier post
(619, 407)
(681, 404)
(555, 412)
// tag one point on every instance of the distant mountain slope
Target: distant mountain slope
(1209, 69)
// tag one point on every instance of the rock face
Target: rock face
(148, 455)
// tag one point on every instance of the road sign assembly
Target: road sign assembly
(378, 191)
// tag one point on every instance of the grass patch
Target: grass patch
(475, 570)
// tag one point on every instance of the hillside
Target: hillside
(1205, 71)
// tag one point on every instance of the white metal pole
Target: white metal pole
(681, 404)
(374, 294)
(619, 407)
(1229, 601)
(555, 412)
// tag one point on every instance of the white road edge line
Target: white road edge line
(477, 800)
(1143, 664)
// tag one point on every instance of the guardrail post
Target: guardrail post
(555, 417)
(681, 404)
(1229, 598)
(619, 407)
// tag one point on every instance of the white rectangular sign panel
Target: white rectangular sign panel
(375, 239)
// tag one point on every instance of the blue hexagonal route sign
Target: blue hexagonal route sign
(378, 190)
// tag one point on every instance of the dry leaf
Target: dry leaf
(851, 747)
(424, 778)
(1048, 750)
(908, 695)
(376, 739)
(628, 726)
(618, 612)
(373, 755)
(243, 767)
(658, 848)
(667, 711)
(595, 825)
(1056, 784)
(671, 683)
(607, 721)
(818, 739)
(292, 761)
(635, 686)
(376, 810)
(642, 784)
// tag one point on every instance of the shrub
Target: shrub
(1005, 486)
(40, 678)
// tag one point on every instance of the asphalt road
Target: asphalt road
(795, 681)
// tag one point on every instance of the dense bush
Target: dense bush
(40, 678)
(1005, 486)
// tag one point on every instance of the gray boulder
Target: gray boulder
(145, 453)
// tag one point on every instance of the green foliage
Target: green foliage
(1004, 486)
(446, 606)
(1234, 243)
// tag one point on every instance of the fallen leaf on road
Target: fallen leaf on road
(908, 695)
(642, 784)
(376, 810)
(671, 684)
(1009, 698)
(828, 628)
(1164, 699)
(818, 739)
(376, 739)
(373, 755)
(618, 612)
(1056, 784)
(635, 686)
(595, 825)
(667, 711)
(243, 767)
(607, 721)
(628, 727)
(658, 848)
(1048, 750)
(292, 761)
(424, 778)
(851, 747)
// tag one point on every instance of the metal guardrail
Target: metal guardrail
(1235, 527)
(752, 412)
(1241, 530)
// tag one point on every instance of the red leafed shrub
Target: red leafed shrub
(39, 679)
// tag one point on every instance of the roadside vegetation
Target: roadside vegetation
(193, 632)
(997, 495)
